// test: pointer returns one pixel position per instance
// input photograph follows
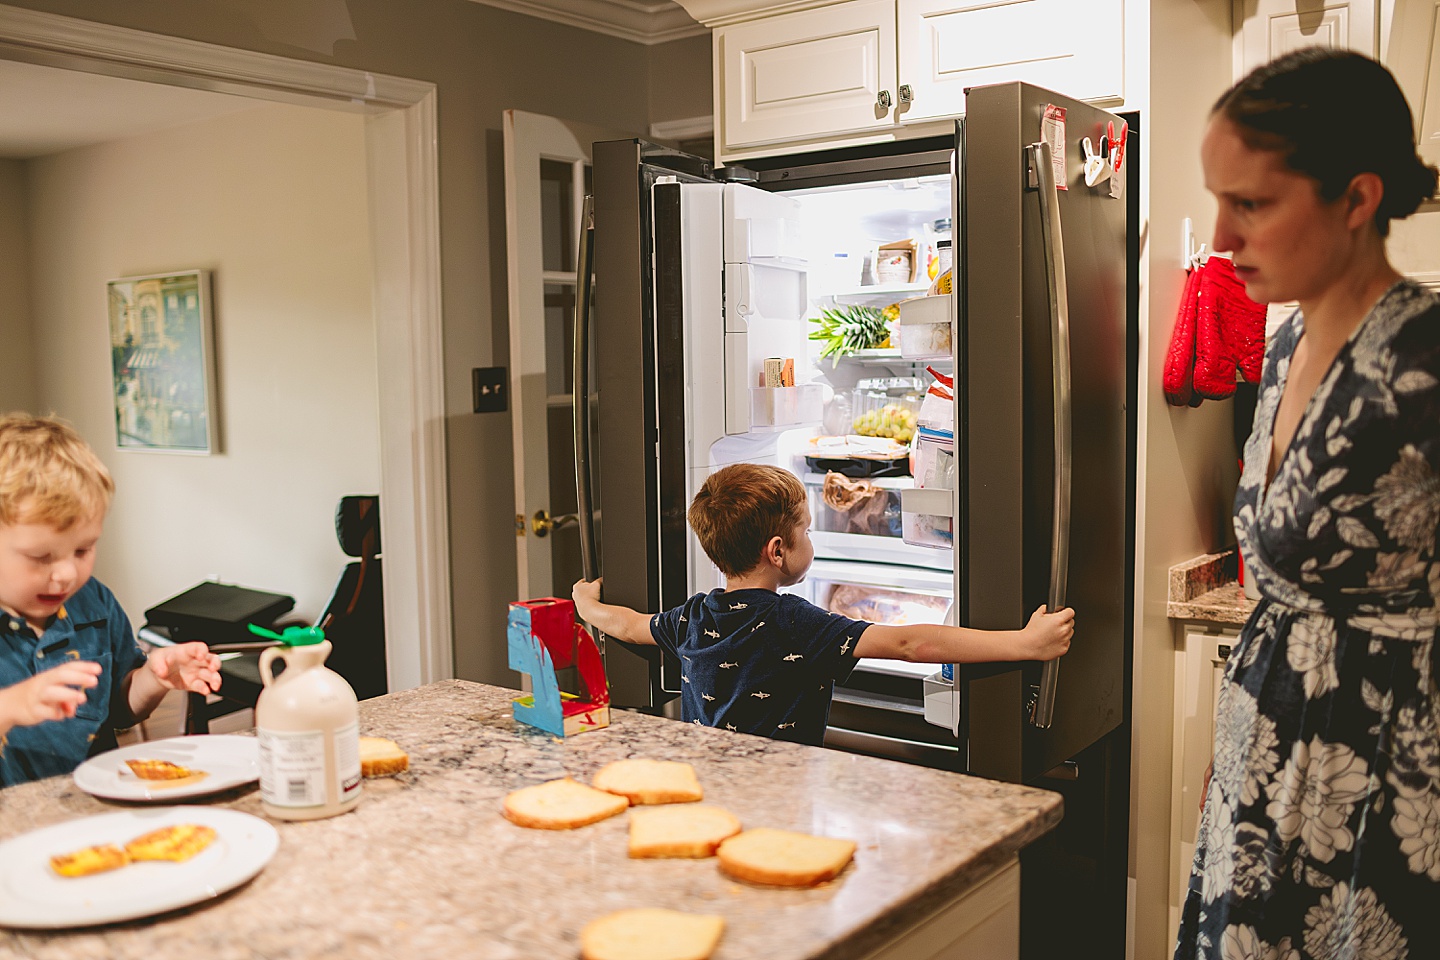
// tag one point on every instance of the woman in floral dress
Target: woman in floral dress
(1320, 836)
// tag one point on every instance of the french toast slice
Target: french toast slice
(158, 770)
(89, 861)
(178, 842)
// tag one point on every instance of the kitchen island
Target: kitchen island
(427, 867)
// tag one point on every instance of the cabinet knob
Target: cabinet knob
(907, 93)
(882, 100)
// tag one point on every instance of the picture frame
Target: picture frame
(162, 361)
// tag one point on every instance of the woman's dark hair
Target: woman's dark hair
(1334, 114)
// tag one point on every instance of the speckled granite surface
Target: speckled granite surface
(428, 867)
(1206, 589)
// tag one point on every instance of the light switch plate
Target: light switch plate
(489, 387)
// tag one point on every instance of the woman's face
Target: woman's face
(1286, 242)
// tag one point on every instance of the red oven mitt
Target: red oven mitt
(1229, 331)
(1180, 359)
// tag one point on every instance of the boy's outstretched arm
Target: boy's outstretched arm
(1045, 637)
(616, 621)
(51, 695)
(185, 666)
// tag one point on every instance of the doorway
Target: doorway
(402, 178)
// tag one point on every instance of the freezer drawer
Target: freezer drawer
(880, 593)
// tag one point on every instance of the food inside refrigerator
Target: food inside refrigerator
(884, 605)
(840, 504)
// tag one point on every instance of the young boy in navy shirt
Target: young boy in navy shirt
(54, 493)
(759, 661)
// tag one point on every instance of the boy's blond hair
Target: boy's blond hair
(48, 474)
(740, 507)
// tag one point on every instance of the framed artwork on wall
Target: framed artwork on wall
(162, 357)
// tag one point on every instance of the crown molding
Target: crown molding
(719, 13)
(640, 21)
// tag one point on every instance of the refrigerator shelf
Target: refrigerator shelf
(872, 291)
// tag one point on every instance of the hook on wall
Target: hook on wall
(1192, 255)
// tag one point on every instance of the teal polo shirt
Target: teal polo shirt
(90, 626)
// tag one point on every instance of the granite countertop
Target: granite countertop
(1206, 588)
(426, 866)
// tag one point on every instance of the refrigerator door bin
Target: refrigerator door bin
(942, 702)
(924, 328)
(927, 517)
(784, 407)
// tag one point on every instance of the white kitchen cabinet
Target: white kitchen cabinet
(1413, 55)
(1270, 28)
(865, 70)
(823, 72)
(945, 46)
(1200, 662)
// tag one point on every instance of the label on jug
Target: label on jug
(292, 766)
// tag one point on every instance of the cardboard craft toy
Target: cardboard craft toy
(543, 638)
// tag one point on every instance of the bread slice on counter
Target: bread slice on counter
(561, 805)
(690, 830)
(651, 934)
(784, 859)
(650, 781)
(380, 757)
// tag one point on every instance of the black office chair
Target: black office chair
(354, 618)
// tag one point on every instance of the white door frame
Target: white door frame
(530, 138)
(403, 173)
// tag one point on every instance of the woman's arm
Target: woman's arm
(1045, 637)
(613, 620)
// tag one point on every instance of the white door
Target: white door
(547, 174)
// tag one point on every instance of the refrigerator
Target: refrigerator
(700, 275)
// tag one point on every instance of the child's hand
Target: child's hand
(1047, 635)
(186, 666)
(52, 695)
(586, 594)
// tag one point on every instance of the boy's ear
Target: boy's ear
(773, 553)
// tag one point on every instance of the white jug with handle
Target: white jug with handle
(308, 726)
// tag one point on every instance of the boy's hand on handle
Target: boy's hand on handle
(186, 666)
(51, 695)
(1047, 635)
(586, 594)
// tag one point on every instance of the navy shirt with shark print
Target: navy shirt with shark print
(758, 662)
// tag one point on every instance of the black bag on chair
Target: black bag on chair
(354, 619)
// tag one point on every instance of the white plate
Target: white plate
(227, 761)
(34, 896)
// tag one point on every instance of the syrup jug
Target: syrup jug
(308, 726)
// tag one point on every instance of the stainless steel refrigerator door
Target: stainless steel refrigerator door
(640, 427)
(1009, 459)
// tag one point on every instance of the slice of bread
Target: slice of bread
(561, 805)
(380, 757)
(691, 830)
(650, 933)
(784, 859)
(650, 781)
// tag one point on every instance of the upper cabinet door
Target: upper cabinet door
(1077, 49)
(816, 73)
(1270, 28)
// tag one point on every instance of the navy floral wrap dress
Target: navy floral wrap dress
(1321, 832)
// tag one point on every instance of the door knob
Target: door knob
(542, 523)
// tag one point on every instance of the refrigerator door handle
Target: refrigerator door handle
(580, 387)
(1043, 711)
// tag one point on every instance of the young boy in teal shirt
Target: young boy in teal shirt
(758, 661)
(54, 494)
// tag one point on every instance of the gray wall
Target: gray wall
(17, 377)
(483, 61)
